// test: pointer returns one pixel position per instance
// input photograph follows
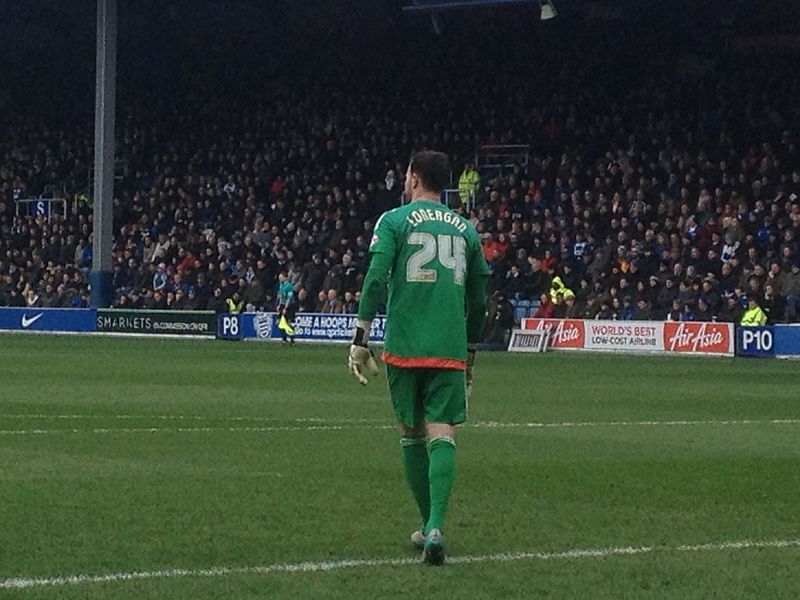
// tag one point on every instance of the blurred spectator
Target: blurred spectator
(322, 300)
(675, 313)
(753, 315)
(305, 301)
(160, 278)
(628, 310)
(772, 304)
(332, 304)
(687, 314)
(572, 309)
(234, 304)
(643, 310)
(791, 291)
(217, 302)
(546, 308)
(731, 311)
(32, 299)
(468, 182)
(313, 274)
(703, 311)
(499, 320)
(349, 306)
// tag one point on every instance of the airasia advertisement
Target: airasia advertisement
(702, 338)
(637, 336)
(565, 334)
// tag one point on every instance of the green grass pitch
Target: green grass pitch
(123, 456)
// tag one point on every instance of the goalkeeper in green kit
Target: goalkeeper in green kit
(429, 259)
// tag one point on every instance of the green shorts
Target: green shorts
(428, 395)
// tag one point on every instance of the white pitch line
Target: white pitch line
(109, 430)
(335, 565)
(569, 424)
(191, 418)
(334, 425)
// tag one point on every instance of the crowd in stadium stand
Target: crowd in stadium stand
(669, 199)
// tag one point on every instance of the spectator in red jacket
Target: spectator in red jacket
(546, 308)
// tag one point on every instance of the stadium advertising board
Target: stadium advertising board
(637, 336)
(631, 336)
(529, 340)
(307, 326)
(787, 340)
(157, 322)
(755, 341)
(74, 320)
(772, 341)
(565, 334)
(699, 338)
(229, 327)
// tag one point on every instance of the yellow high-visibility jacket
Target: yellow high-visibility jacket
(468, 183)
(557, 287)
(233, 307)
(754, 317)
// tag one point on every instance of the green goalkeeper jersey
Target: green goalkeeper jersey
(430, 260)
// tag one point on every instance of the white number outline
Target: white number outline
(452, 255)
(414, 267)
(451, 251)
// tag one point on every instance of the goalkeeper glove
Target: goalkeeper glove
(361, 360)
(471, 348)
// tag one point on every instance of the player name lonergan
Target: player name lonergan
(426, 214)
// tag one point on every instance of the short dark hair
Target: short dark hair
(433, 169)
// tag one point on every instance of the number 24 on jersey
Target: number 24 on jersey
(449, 250)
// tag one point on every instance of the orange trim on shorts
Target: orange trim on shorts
(423, 362)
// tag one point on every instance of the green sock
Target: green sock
(442, 472)
(415, 460)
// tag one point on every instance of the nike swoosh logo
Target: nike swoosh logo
(28, 321)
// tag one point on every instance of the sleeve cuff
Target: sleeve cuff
(361, 334)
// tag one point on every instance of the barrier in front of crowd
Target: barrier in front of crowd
(782, 341)
(307, 326)
(648, 337)
(774, 341)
